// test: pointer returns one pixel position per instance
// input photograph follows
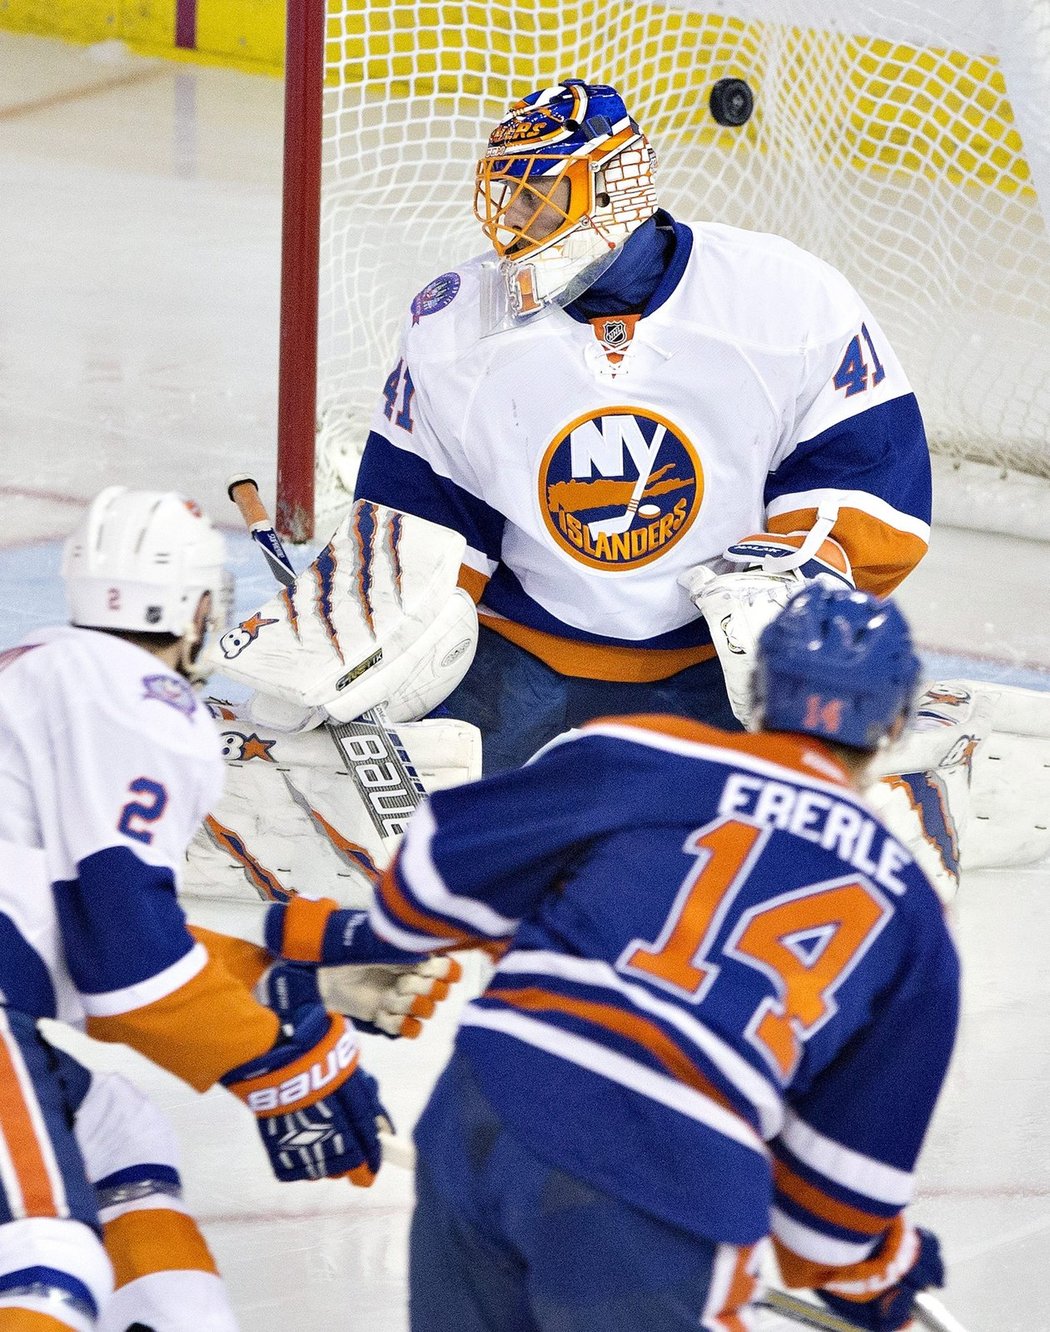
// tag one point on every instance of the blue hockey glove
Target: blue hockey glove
(890, 1309)
(318, 1112)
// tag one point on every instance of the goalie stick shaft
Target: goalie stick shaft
(368, 746)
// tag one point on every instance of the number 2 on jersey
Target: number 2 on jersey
(147, 810)
(806, 941)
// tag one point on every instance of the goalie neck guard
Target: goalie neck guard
(567, 176)
(140, 560)
(838, 664)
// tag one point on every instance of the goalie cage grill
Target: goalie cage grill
(904, 141)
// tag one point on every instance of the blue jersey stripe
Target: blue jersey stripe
(402, 480)
(882, 451)
(121, 922)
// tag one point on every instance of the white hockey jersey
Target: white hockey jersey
(589, 463)
(108, 763)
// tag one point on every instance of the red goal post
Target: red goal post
(905, 141)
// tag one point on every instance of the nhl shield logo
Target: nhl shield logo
(614, 333)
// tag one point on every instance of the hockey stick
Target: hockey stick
(368, 744)
(613, 526)
(927, 1312)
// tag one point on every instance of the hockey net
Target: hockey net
(904, 141)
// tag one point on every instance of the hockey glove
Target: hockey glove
(890, 1309)
(387, 991)
(319, 930)
(318, 1112)
(389, 1001)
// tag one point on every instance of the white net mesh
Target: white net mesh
(902, 141)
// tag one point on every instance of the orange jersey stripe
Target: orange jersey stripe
(155, 1239)
(472, 582)
(597, 661)
(799, 1272)
(881, 555)
(786, 751)
(638, 1029)
(199, 1031)
(816, 1201)
(20, 1135)
(406, 914)
(28, 1320)
(304, 926)
(245, 961)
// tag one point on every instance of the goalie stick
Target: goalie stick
(368, 744)
(927, 1311)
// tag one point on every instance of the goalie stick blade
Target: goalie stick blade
(381, 770)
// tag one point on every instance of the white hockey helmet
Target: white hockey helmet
(565, 179)
(140, 560)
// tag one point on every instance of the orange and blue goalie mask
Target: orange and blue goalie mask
(566, 177)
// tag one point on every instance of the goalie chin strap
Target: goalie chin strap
(375, 758)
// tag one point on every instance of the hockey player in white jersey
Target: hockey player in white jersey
(108, 763)
(648, 433)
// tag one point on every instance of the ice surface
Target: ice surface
(138, 338)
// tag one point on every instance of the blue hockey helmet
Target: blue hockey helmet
(567, 175)
(835, 663)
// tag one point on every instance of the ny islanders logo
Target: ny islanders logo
(619, 487)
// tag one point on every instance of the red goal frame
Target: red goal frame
(300, 261)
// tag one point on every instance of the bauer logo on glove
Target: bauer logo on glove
(774, 553)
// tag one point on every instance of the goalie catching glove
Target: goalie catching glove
(738, 605)
(387, 991)
(318, 1112)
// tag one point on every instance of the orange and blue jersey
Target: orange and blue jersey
(727, 994)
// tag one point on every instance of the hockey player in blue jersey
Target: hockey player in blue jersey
(724, 1010)
(607, 407)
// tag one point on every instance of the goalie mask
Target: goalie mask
(140, 560)
(566, 177)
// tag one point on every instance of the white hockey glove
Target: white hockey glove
(389, 1000)
(737, 606)
(376, 620)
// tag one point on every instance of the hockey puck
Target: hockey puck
(731, 102)
(649, 510)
